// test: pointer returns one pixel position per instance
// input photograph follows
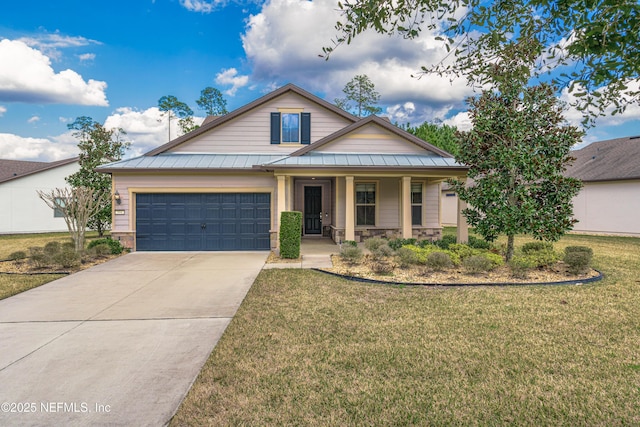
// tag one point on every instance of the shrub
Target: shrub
(543, 258)
(67, 259)
(476, 243)
(381, 267)
(407, 257)
(445, 241)
(68, 245)
(422, 253)
(520, 266)
(114, 245)
(290, 234)
(374, 243)
(38, 259)
(101, 250)
(14, 256)
(396, 244)
(350, 243)
(439, 260)
(477, 264)
(351, 254)
(538, 246)
(496, 260)
(52, 248)
(382, 252)
(578, 258)
(463, 251)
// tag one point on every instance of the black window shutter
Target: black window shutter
(305, 128)
(275, 128)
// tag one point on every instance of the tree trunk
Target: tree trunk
(510, 247)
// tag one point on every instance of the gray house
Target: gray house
(224, 185)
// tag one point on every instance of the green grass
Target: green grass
(309, 349)
(12, 284)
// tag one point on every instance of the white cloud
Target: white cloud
(230, 77)
(33, 119)
(201, 5)
(461, 120)
(50, 44)
(574, 116)
(146, 129)
(15, 147)
(26, 75)
(2, 110)
(87, 57)
(285, 39)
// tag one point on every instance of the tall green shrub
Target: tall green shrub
(290, 234)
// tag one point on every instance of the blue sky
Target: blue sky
(113, 60)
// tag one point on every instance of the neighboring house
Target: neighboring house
(22, 211)
(609, 202)
(224, 185)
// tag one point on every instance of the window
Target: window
(290, 128)
(366, 204)
(57, 212)
(416, 204)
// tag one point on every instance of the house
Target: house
(22, 211)
(224, 185)
(609, 202)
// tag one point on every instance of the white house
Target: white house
(21, 210)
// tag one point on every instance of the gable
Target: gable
(371, 139)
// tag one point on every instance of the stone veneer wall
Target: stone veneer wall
(430, 233)
(127, 239)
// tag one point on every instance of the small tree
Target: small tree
(98, 146)
(77, 205)
(361, 91)
(212, 102)
(517, 152)
(440, 135)
(173, 108)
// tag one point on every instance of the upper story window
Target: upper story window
(290, 128)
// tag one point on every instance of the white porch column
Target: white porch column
(281, 202)
(462, 226)
(407, 231)
(350, 221)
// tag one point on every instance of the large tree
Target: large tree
(212, 102)
(590, 47)
(173, 108)
(517, 152)
(360, 97)
(440, 135)
(98, 146)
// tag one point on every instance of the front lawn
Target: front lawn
(309, 349)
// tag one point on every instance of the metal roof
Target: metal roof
(191, 162)
(366, 160)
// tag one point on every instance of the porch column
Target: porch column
(281, 200)
(350, 221)
(407, 231)
(463, 228)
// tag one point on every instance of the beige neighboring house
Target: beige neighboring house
(22, 211)
(224, 185)
(609, 202)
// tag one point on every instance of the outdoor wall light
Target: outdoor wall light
(116, 197)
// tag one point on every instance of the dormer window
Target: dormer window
(290, 127)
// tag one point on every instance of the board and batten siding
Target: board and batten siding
(432, 205)
(371, 139)
(125, 184)
(250, 132)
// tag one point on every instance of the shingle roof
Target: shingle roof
(14, 169)
(611, 160)
(178, 161)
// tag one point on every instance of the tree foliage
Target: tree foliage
(591, 47)
(77, 205)
(517, 152)
(174, 108)
(360, 97)
(98, 146)
(212, 102)
(441, 135)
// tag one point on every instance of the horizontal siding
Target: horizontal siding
(176, 183)
(250, 133)
(372, 139)
(432, 205)
(389, 203)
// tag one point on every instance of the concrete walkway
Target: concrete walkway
(315, 253)
(118, 344)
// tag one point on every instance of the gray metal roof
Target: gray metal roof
(191, 162)
(366, 160)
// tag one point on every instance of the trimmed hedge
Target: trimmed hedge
(115, 245)
(290, 234)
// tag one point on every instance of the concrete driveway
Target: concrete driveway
(120, 343)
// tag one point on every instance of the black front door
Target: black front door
(312, 210)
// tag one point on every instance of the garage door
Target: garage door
(203, 222)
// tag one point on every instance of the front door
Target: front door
(312, 210)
